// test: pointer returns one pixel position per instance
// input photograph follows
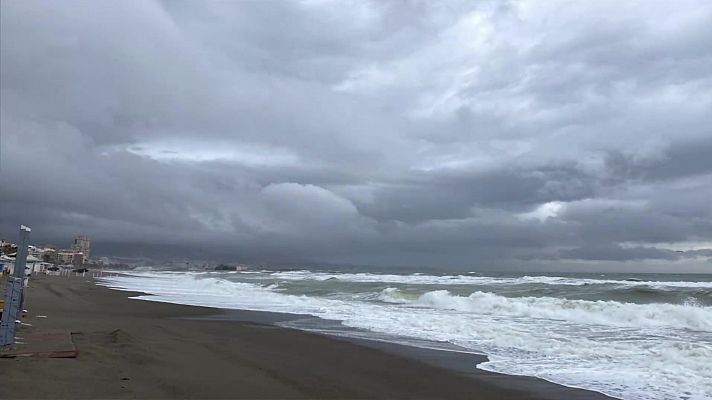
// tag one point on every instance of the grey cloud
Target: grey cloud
(679, 160)
(422, 196)
(617, 253)
(613, 222)
(470, 135)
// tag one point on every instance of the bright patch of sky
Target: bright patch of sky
(248, 154)
(544, 211)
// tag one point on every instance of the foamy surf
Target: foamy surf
(626, 350)
(479, 280)
(577, 311)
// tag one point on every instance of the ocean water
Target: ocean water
(638, 337)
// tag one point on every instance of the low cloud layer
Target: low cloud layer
(482, 135)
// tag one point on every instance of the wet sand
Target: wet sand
(139, 349)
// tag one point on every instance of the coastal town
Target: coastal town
(53, 259)
(49, 257)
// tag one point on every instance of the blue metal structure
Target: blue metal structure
(14, 292)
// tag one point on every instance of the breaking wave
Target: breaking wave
(479, 280)
(579, 311)
(633, 351)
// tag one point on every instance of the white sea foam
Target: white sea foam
(630, 351)
(416, 279)
(578, 311)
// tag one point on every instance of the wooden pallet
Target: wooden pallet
(55, 343)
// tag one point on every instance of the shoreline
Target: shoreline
(131, 348)
(462, 362)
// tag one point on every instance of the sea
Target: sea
(630, 336)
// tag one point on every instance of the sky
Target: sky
(482, 135)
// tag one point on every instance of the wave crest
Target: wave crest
(689, 316)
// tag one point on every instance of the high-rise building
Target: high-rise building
(83, 245)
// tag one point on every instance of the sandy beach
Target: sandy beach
(138, 349)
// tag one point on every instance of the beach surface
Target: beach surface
(139, 349)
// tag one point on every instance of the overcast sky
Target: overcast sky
(476, 134)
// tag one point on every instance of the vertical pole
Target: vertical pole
(14, 292)
(21, 257)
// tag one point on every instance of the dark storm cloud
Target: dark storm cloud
(489, 135)
(421, 196)
(679, 160)
(618, 253)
